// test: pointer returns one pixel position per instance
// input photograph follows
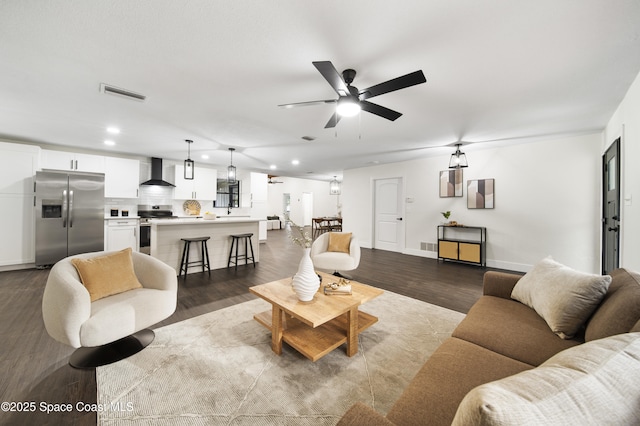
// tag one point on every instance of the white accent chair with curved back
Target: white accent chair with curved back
(338, 256)
(114, 326)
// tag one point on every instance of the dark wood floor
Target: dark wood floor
(33, 366)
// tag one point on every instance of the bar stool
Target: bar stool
(235, 239)
(204, 250)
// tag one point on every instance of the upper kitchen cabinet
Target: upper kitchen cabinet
(201, 187)
(259, 185)
(62, 160)
(121, 177)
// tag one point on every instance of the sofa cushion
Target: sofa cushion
(449, 374)
(565, 298)
(595, 383)
(511, 329)
(339, 242)
(108, 274)
(620, 308)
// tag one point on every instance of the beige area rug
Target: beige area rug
(218, 369)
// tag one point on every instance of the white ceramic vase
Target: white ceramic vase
(306, 282)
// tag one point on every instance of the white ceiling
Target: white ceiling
(214, 71)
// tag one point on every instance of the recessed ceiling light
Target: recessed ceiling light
(109, 142)
(113, 130)
(295, 162)
(205, 157)
(273, 167)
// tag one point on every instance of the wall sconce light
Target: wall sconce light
(188, 163)
(231, 170)
(334, 187)
(458, 159)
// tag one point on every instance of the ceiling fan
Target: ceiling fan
(351, 100)
(271, 181)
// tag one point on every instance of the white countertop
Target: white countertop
(201, 221)
(120, 217)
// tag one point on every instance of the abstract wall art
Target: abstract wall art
(481, 194)
(451, 183)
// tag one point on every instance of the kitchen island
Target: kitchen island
(167, 246)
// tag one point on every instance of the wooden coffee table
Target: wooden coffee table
(317, 327)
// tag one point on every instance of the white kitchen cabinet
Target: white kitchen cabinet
(121, 233)
(259, 186)
(72, 161)
(201, 187)
(121, 177)
(18, 164)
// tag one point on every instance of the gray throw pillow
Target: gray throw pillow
(563, 297)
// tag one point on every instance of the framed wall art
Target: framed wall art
(451, 183)
(481, 194)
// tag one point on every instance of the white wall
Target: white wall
(625, 123)
(324, 204)
(547, 201)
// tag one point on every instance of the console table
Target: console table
(462, 244)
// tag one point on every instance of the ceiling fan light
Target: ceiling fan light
(348, 106)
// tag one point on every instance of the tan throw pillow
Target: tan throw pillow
(595, 383)
(563, 297)
(107, 275)
(339, 241)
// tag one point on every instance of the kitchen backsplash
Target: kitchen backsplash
(154, 195)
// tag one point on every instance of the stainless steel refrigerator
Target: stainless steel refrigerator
(69, 214)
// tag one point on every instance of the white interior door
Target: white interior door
(389, 229)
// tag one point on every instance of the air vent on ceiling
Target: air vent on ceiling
(308, 138)
(112, 90)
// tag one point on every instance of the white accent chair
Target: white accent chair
(334, 261)
(114, 327)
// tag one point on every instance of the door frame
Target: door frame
(402, 236)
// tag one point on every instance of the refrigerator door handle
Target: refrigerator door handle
(64, 208)
(71, 209)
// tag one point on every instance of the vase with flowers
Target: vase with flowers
(305, 282)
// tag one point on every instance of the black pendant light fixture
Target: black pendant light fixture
(188, 163)
(334, 186)
(458, 159)
(231, 170)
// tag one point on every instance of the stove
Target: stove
(147, 212)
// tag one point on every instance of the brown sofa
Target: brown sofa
(499, 337)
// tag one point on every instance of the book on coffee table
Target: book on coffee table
(337, 290)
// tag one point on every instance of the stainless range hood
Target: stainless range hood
(156, 174)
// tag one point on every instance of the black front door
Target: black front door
(611, 208)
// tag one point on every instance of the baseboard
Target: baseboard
(497, 264)
(421, 253)
(509, 266)
(18, 267)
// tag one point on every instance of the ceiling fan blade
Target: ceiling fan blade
(381, 111)
(411, 79)
(297, 104)
(332, 76)
(333, 121)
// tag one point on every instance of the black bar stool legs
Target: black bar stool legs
(204, 253)
(235, 240)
